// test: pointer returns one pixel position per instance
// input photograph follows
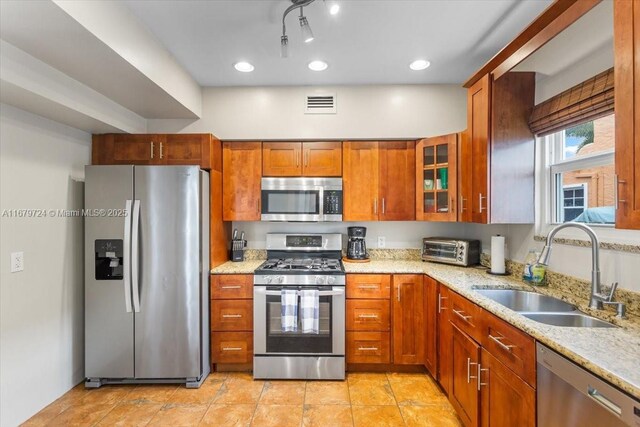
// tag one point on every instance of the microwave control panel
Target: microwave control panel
(333, 202)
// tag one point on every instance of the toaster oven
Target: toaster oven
(451, 251)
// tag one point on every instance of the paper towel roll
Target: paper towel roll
(497, 254)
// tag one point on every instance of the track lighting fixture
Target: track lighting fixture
(307, 34)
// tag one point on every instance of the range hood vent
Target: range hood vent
(320, 104)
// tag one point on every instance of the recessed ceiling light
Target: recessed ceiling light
(419, 64)
(243, 67)
(334, 9)
(318, 65)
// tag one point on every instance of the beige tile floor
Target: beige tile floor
(235, 399)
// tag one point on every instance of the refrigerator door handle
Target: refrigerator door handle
(126, 256)
(135, 255)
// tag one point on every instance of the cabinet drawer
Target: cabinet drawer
(232, 286)
(368, 315)
(232, 315)
(231, 347)
(368, 286)
(368, 347)
(466, 316)
(514, 348)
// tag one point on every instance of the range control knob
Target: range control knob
(268, 279)
(331, 280)
(280, 279)
(321, 279)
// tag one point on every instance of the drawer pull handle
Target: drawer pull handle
(501, 344)
(231, 349)
(469, 376)
(368, 348)
(368, 287)
(367, 316)
(231, 287)
(602, 400)
(440, 307)
(461, 315)
(231, 316)
(480, 371)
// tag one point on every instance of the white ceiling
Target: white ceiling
(368, 42)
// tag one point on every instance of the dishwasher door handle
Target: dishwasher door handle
(604, 402)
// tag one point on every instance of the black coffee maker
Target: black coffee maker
(356, 247)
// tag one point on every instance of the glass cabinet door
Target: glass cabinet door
(437, 168)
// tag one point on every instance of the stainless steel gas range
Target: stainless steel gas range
(298, 262)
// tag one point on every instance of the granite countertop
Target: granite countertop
(611, 353)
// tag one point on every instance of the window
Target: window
(581, 163)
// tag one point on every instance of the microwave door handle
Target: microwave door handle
(321, 210)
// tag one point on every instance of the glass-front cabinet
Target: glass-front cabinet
(436, 178)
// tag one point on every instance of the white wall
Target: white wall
(41, 328)
(402, 111)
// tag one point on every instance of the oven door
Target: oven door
(270, 339)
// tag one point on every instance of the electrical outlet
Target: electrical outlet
(382, 241)
(17, 261)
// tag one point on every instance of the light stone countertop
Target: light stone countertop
(611, 353)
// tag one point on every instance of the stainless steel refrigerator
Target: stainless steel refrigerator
(146, 275)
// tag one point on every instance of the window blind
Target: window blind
(586, 101)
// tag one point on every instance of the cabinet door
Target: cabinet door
(123, 149)
(430, 289)
(397, 177)
(368, 315)
(281, 159)
(465, 175)
(506, 400)
(478, 122)
(626, 17)
(231, 347)
(360, 180)
(436, 178)
(464, 395)
(184, 149)
(322, 158)
(445, 355)
(242, 170)
(408, 319)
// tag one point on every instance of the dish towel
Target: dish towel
(289, 310)
(310, 311)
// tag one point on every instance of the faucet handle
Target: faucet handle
(612, 291)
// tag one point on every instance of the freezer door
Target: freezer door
(168, 320)
(108, 314)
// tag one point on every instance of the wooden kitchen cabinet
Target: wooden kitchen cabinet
(322, 159)
(408, 319)
(241, 174)
(436, 178)
(445, 330)
(368, 315)
(232, 319)
(157, 149)
(464, 394)
(626, 20)
(505, 399)
(430, 327)
(378, 180)
(496, 161)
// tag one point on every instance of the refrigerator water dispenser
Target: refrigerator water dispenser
(109, 259)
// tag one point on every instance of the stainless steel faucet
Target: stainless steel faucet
(598, 299)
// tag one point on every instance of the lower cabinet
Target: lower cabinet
(368, 347)
(485, 365)
(408, 319)
(430, 312)
(231, 319)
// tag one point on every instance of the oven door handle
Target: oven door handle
(321, 293)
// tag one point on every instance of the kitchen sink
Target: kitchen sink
(525, 301)
(576, 320)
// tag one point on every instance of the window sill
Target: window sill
(605, 234)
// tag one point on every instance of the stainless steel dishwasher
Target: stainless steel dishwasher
(570, 396)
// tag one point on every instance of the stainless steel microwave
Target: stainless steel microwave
(301, 199)
(451, 251)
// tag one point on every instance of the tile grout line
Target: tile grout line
(353, 422)
(396, 399)
(257, 403)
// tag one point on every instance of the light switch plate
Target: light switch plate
(382, 241)
(17, 261)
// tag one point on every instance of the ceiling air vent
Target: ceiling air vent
(320, 104)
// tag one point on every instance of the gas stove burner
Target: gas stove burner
(302, 264)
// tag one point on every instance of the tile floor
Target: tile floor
(235, 399)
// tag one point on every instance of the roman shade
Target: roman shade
(586, 101)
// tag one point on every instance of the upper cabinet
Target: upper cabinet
(241, 174)
(627, 107)
(157, 149)
(378, 180)
(436, 178)
(497, 155)
(302, 159)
